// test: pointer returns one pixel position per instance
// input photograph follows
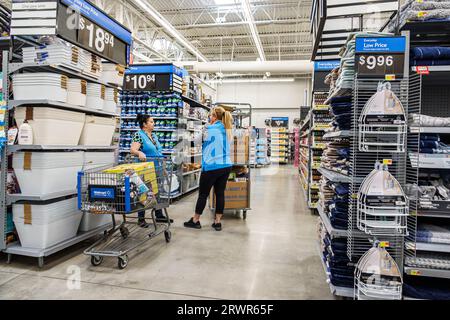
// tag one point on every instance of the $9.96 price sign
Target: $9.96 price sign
(380, 56)
(140, 82)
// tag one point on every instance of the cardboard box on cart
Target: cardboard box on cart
(236, 195)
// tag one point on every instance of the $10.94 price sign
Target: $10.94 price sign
(380, 56)
(140, 82)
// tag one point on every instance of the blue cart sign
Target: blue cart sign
(380, 44)
(326, 65)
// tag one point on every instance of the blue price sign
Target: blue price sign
(326, 65)
(380, 56)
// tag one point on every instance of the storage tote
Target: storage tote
(93, 221)
(98, 131)
(41, 226)
(52, 126)
(41, 173)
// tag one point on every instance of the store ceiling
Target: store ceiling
(220, 31)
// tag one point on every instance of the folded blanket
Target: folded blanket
(443, 62)
(430, 53)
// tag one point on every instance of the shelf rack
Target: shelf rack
(7, 200)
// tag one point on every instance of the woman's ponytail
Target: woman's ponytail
(227, 120)
(228, 123)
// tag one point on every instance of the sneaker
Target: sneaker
(217, 226)
(192, 224)
(142, 223)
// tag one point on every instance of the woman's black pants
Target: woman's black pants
(217, 179)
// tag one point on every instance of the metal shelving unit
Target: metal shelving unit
(333, 232)
(16, 248)
(62, 105)
(334, 176)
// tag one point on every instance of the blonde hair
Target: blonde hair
(227, 119)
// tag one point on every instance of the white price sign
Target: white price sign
(95, 37)
(142, 82)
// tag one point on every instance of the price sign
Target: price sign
(96, 38)
(380, 56)
(140, 82)
(85, 25)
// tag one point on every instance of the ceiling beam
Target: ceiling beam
(252, 26)
(161, 21)
(240, 23)
(214, 8)
(244, 36)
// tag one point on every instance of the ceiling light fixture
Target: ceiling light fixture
(251, 23)
(159, 19)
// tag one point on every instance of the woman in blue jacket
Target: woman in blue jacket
(146, 145)
(216, 166)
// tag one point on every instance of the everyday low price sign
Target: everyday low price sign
(382, 57)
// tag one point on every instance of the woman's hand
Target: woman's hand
(142, 156)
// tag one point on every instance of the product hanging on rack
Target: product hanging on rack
(382, 124)
(377, 276)
(382, 204)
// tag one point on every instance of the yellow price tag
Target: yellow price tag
(416, 273)
(354, 196)
(387, 162)
(385, 244)
(390, 77)
(421, 14)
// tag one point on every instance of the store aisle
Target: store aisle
(272, 255)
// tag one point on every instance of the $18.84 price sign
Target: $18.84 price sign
(379, 65)
(140, 82)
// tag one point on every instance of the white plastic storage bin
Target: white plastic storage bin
(41, 86)
(113, 74)
(98, 131)
(76, 94)
(42, 173)
(52, 126)
(93, 221)
(42, 226)
(98, 159)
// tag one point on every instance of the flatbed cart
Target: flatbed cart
(242, 116)
(126, 190)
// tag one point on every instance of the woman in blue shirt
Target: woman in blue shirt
(146, 145)
(216, 166)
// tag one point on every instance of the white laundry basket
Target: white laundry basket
(42, 173)
(98, 131)
(41, 226)
(52, 126)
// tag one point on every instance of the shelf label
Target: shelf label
(385, 244)
(387, 162)
(423, 70)
(380, 57)
(415, 273)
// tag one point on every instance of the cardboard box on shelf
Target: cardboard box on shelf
(236, 196)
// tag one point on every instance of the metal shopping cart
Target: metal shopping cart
(126, 190)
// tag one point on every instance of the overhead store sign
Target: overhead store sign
(380, 57)
(326, 65)
(157, 77)
(76, 21)
(281, 122)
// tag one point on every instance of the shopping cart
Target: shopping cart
(126, 190)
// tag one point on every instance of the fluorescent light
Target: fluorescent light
(251, 23)
(169, 28)
(273, 80)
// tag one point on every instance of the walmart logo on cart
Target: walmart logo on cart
(102, 193)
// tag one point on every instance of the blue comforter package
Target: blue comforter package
(426, 288)
(430, 53)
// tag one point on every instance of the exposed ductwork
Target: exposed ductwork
(290, 66)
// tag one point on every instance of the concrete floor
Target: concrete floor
(272, 255)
